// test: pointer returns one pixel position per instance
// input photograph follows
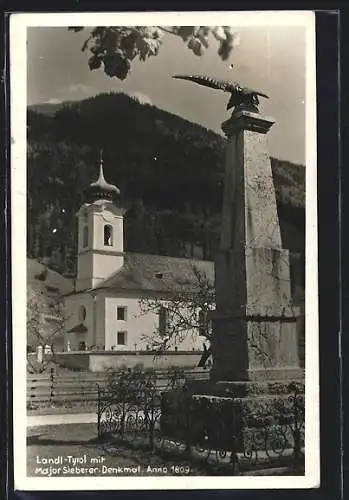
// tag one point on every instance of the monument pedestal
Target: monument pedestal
(255, 323)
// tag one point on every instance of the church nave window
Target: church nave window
(121, 338)
(163, 320)
(121, 314)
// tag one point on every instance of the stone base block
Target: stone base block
(276, 374)
(255, 348)
(244, 388)
(243, 417)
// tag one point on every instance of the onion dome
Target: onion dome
(101, 189)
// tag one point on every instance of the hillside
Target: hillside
(170, 173)
(46, 281)
(47, 108)
(44, 290)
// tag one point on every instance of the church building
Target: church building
(103, 312)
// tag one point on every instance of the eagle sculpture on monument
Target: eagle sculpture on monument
(240, 97)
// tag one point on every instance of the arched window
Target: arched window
(82, 314)
(85, 237)
(108, 236)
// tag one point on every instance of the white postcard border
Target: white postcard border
(18, 82)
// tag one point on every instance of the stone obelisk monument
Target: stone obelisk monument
(255, 332)
(254, 341)
(255, 322)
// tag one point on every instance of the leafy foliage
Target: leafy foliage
(115, 47)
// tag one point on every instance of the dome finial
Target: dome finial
(101, 189)
(101, 173)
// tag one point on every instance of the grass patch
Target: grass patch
(80, 441)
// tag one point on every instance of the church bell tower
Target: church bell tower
(100, 234)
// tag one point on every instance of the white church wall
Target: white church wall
(103, 326)
(137, 326)
(84, 278)
(103, 263)
(94, 267)
(72, 313)
(100, 321)
(83, 222)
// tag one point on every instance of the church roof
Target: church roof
(157, 273)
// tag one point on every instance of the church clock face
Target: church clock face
(107, 216)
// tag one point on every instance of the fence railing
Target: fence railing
(80, 388)
(226, 433)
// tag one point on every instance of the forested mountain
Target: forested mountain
(169, 171)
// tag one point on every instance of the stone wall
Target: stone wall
(100, 361)
(78, 360)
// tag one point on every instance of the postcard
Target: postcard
(164, 274)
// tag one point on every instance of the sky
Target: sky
(269, 59)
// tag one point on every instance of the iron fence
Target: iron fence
(252, 435)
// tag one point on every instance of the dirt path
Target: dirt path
(57, 419)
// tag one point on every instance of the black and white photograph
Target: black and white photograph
(164, 250)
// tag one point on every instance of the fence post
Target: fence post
(149, 415)
(233, 456)
(237, 441)
(39, 354)
(297, 446)
(52, 382)
(188, 424)
(153, 401)
(98, 411)
(82, 391)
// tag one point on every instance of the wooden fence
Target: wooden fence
(80, 388)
